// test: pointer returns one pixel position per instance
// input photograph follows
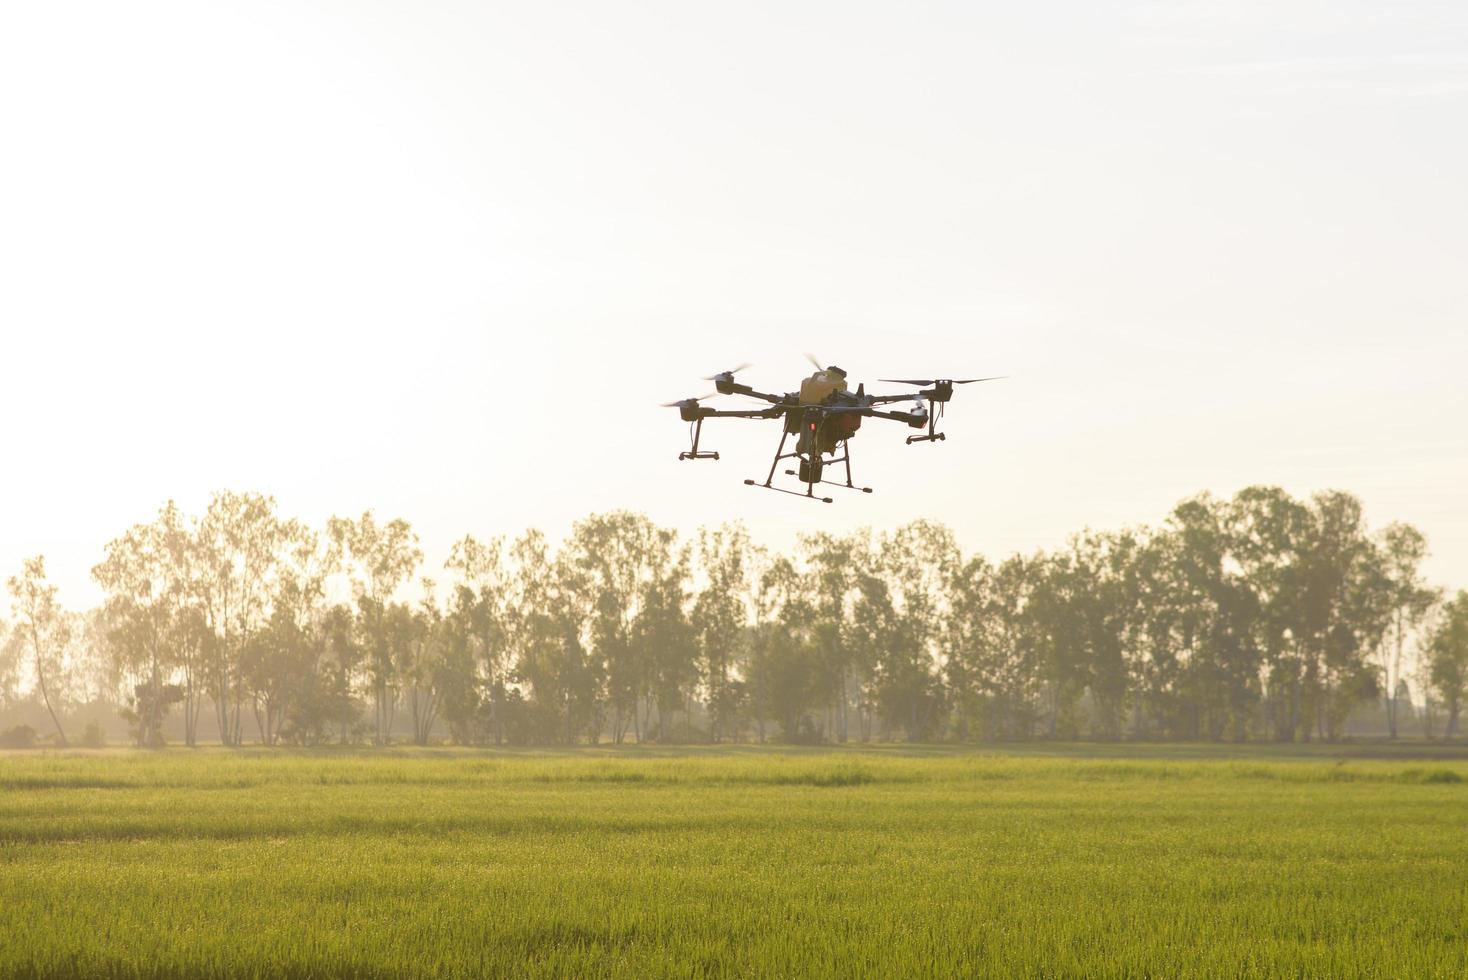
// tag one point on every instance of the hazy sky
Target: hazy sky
(443, 259)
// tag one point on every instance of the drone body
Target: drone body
(823, 417)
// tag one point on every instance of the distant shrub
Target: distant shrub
(145, 713)
(19, 737)
(92, 736)
(842, 776)
(613, 776)
(1431, 776)
(1442, 776)
(807, 732)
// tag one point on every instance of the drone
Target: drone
(823, 416)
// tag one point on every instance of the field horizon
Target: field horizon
(1368, 747)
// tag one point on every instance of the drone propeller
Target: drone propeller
(727, 374)
(683, 401)
(815, 360)
(923, 383)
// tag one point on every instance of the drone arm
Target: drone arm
(730, 388)
(889, 399)
(909, 418)
(762, 413)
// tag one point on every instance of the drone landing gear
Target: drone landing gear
(693, 452)
(808, 495)
(932, 436)
(805, 470)
(810, 471)
(846, 458)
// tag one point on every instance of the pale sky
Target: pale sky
(443, 259)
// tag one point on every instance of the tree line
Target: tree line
(1260, 617)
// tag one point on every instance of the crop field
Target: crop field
(637, 862)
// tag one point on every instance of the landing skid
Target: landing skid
(806, 460)
(694, 452)
(933, 434)
(834, 483)
(808, 495)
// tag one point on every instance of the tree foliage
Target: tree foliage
(1257, 617)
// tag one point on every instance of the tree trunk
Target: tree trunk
(190, 708)
(495, 689)
(46, 696)
(221, 712)
(1295, 709)
(842, 727)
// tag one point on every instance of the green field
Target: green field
(1168, 861)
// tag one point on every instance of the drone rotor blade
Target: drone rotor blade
(682, 400)
(924, 382)
(815, 360)
(731, 371)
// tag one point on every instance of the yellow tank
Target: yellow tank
(816, 388)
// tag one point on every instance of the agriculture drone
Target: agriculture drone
(823, 416)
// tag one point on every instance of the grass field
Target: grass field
(1165, 861)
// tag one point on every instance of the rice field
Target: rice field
(735, 862)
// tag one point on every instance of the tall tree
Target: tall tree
(771, 577)
(838, 567)
(1268, 530)
(189, 638)
(11, 654)
(992, 650)
(237, 545)
(720, 617)
(1403, 549)
(273, 668)
(1214, 613)
(666, 643)
(425, 666)
(290, 681)
(145, 601)
(615, 557)
(904, 600)
(378, 560)
(784, 670)
(328, 707)
(462, 702)
(1056, 630)
(1345, 609)
(40, 619)
(484, 620)
(547, 613)
(1447, 659)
